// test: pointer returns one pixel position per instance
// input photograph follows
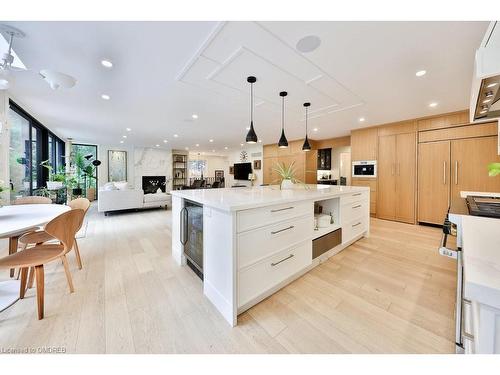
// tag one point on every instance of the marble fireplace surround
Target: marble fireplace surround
(152, 162)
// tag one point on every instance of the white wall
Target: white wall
(234, 157)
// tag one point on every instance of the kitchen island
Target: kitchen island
(257, 240)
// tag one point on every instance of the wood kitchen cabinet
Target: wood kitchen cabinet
(433, 181)
(446, 168)
(396, 177)
(469, 165)
(364, 144)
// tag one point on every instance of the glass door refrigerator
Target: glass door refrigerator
(192, 235)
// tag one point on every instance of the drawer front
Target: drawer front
(354, 197)
(262, 276)
(354, 210)
(258, 217)
(257, 244)
(354, 228)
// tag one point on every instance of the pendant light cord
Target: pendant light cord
(251, 103)
(306, 120)
(282, 113)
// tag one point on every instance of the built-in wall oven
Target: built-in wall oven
(191, 224)
(364, 168)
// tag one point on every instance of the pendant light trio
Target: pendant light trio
(283, 142)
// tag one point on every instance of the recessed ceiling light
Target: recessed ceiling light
(106, 63)
(105, 97)
(433, 105)
(247, 128)
(210, 140)
(420, 73)
(157, 145)
(225, 148)
(124, 136)
(175, 136)
(486, 100)
(241, 144)
(186, 148)
(315, 129)
(197, 145)
(165, 141)
(129, 130)
(492, 85)
(194, 115)
(308, 43)
(361, 119)
(121, 141)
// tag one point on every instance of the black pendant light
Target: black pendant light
(251, 135)
(283, 142)
(306, 146)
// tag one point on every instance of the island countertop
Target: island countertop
(236, 199)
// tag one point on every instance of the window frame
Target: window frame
(42, 147)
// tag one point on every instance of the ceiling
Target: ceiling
(164, 72)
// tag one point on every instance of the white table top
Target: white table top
(20, 218)
(236, 199)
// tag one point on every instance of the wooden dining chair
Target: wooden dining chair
(41, 236)
(63, 228)
(13, 240)
(32, 200)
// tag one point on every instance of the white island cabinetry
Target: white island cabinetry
(257, 240)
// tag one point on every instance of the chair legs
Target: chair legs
(31, 277)
(22, 285)
(77, 253)
(68, 273)
(13, 243)
(40, 284)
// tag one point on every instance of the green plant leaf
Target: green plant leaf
(493, 169)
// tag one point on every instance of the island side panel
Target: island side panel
(177, 250)
(219, 261)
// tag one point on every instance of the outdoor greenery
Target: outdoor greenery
(494, 169)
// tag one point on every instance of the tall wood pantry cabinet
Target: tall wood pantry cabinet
(396, 177)
(445, 168)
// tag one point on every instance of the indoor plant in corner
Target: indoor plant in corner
(286, 175)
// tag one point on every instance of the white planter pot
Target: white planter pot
(286, 184)
(54, 185)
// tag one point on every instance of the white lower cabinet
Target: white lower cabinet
(255, 280)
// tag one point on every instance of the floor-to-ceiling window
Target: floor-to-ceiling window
(31, 143)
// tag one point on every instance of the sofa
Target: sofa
(119, 196)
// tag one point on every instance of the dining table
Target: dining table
(15, 220)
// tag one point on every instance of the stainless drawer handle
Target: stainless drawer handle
(355, 225)
(282, 260)
(282, 230)
(358, 206)
(282, 209)
(355, 195)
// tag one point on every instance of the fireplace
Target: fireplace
(150, 184)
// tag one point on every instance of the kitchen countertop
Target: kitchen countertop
(252, 197)
(481, 244)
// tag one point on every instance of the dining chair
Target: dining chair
(62, 228)
(41, 236)
(34, 199)
(13, 239)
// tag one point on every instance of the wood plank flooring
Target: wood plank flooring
(391, 293)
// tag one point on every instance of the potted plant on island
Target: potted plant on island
(286, 175)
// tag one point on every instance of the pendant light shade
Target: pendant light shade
(251, 135)
(306, 146)
(283, 142)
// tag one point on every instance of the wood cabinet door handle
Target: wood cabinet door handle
(444, 172)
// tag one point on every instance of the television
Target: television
(242, 170)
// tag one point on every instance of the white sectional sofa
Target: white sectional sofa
(120, 197)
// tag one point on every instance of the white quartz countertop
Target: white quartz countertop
(236, 199)
(481, 252)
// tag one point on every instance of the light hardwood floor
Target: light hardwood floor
(391, 293)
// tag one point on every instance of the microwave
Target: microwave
(364, 168)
